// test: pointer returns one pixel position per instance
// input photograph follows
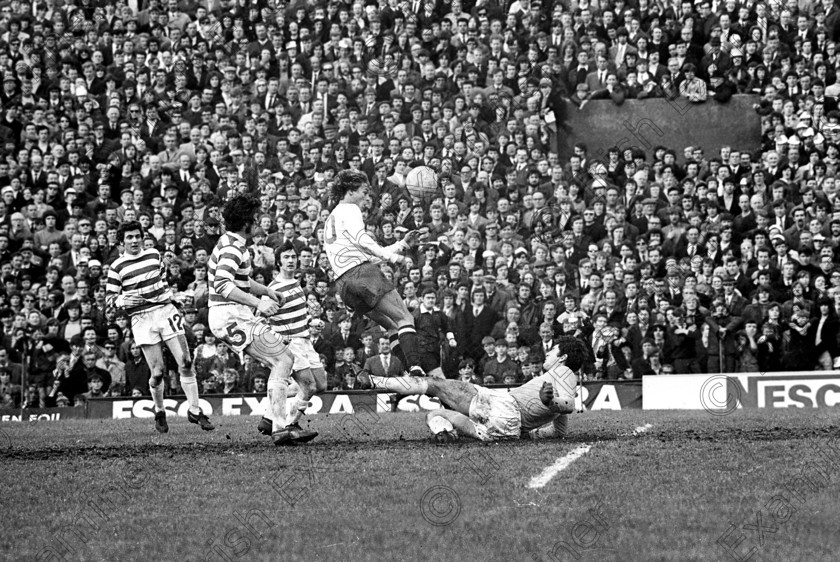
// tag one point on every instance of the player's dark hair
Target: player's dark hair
(574, 350)
(129, 226)
(239, 212)
(347, 181)
(287, 246)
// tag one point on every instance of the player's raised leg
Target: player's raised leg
(396, 348)
(181, 352)
(154, 358)
(445, 425)
(390, 313)
(456, 395)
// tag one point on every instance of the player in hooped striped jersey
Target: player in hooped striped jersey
(233, 299)
(293, 322)
(136, 284)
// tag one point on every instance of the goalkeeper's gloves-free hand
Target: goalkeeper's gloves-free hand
(547, 394)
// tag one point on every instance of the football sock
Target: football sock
(408, 343)
(439, 424)
(396, 349)
(157, 395)
(298, 406)
(190, 386)
(293, 388)
(401, 385)
(277, 388)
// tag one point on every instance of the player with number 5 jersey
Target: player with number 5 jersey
(239, 308)
(136, 284)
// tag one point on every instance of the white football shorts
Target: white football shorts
(238, 326)
(157, 325)
(305, 356)
(495, 414)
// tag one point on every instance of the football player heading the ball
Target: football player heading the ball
(537, 409)
(354, 256)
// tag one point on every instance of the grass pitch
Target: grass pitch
(692, 486)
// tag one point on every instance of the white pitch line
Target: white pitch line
(559, 465)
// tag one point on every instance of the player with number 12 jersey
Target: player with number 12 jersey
(136, 284)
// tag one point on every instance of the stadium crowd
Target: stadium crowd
(675, 260)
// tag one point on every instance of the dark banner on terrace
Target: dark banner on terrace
(41, 414)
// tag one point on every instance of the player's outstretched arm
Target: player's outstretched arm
(367, 244)
(259, 290)
(224, 285)
(555, 430)
(265, 307)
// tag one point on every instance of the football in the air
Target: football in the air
(421, 182)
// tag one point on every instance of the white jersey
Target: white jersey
(343, 231)
(534, 413)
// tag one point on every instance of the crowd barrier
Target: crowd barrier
(597, 395)
(715, 393)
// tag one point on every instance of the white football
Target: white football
(421, 182)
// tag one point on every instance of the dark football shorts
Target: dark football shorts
(363, 287)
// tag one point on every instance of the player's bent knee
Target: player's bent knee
(310, 388)
(156, 375)
(317, 379)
